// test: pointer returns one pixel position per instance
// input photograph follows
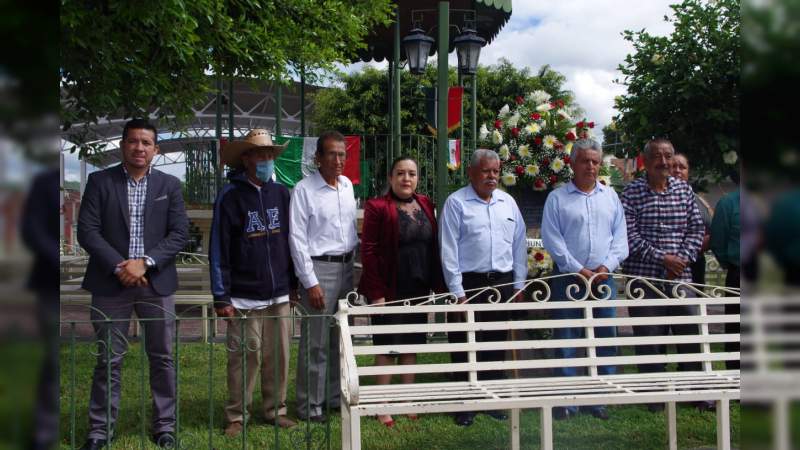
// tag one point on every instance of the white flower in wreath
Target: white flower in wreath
(483, 133)
(568, 148)
(509, 179)
(532, 169)
(524, 151)
(604, 180)
(533, 128)
(564, 114)
(538, 96)
(504, 152)
(730, 157)
(544, 107)
(497, 138)
(556, 165)
(549, 141)
(504, 111)
(513, 120)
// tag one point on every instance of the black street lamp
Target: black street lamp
(417, 46)
(468, 49)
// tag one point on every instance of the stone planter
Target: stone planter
(531, 205)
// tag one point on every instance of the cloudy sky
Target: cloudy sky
(579, 38)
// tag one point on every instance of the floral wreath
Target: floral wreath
(534, 141)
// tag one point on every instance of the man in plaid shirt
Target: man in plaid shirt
(665, 233)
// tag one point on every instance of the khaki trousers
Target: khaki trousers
(266, 346)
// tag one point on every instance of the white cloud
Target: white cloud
(582, 40)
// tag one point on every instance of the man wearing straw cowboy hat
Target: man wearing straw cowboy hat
(252, 278)
(132, 223)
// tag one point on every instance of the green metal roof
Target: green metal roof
(504, 5)
(490, 15)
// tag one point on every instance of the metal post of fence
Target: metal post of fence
(327, 328)
(243, 347)
(177, 383)
(142, 359)
(304, 332)
(277, 346)
(211, 385)
(72, 385)
(108, 383)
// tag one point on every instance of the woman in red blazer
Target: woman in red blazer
(400, 258)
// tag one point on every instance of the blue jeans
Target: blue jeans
(558, 288)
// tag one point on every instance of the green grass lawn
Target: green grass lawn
(630, 427)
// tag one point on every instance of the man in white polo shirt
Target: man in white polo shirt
(322, 240)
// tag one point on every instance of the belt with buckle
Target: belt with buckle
(490, 276)
(334, 258)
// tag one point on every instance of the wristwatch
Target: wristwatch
(148, 261)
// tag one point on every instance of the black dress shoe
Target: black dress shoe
(600, 413)
(465, 419)
(496, 414)
(706, 406)
(165, 439)
(560, 413)
(94, 444)
(655, 407)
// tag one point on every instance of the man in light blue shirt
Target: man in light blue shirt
(583, 228)
(482, 244)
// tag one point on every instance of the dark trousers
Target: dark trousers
(732, 281)
(159, 334)
(664, 330)
(471, 280)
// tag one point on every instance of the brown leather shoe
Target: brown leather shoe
(282, 421)
(233, 429)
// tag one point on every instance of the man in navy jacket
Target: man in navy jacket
(253, 279)
(132, 223)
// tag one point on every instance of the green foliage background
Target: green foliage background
(685, 86)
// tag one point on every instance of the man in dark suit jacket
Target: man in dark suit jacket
(132, 223)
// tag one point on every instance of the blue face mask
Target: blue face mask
(264, 170)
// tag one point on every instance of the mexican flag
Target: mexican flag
(297, 161)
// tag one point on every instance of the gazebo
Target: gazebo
(438, 21)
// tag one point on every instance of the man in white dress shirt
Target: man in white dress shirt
(322, 241)
(482, 244)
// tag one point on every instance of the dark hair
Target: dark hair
(328, 135)
(402, 158)
(139, 124)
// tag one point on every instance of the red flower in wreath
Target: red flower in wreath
(538, 140)
(515, 132)
(536, 116)
(519, 100)
(579, 124)
(553, 179)
(539, 256)
(539, 183)
(545, 161)
(591, 125)
(566, 159)
(498, 124)
(571, 136)
(520, 170)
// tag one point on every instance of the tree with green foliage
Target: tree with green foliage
(132, 58)
(685, 86)
(359, 105)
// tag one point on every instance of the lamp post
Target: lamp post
(468, 45)
(468, 49)
(417, 46)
